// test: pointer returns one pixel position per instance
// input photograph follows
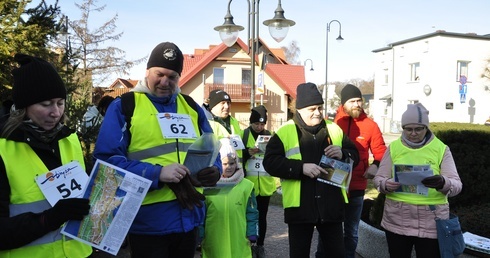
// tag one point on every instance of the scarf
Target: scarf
(416, 145)
(236, 178)
(311, 129)
(39, 133)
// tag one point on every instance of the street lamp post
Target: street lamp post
(278, 28)
(339, 38)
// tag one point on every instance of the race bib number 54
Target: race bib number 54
(63, 182)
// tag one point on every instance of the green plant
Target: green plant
(474, 218)
(470, 149)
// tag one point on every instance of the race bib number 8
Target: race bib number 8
(255, 164)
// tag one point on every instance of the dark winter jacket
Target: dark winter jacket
(319, 202)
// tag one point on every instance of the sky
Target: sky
(366, 25)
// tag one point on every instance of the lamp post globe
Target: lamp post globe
(279, 25)
(278, 28)
(228, 32)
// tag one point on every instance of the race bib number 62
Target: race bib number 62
(175, 125)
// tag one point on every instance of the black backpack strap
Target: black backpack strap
(246, 133)
(191, 102)
(127, 106)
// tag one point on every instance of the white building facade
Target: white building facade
(441, 70)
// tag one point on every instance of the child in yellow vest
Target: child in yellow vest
(232, 216)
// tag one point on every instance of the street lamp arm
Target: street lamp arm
(340, 29)
(328, 25)
(311, 67)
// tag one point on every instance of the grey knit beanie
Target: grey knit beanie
(415, 114)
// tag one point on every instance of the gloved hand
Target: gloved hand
(252, 239)
(194, 181)
(64, 210)
(371, 171)
(208, 176)
(436, 182)
(186, 194)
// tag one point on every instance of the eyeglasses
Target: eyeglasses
(417, 130)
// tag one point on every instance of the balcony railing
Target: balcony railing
(237, 92)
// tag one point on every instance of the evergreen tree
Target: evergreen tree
(27, 31)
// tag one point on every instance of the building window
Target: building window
(415, 72)
(246, 74)
(218, 76)
(462, 70)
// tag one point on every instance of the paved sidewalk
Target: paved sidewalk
(276, 241)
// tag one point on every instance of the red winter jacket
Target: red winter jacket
(365, 133)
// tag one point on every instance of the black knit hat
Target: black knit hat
(307, 94)
(349, 92)
(259, 114)
(166, 55)
(216, 96)
(35, 80)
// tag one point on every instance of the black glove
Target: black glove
(208, 176)
(436, 182)
(186, 194)
(194, 181)
(64, 210)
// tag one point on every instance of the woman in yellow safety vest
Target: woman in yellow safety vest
(34, 141)
(407, 218)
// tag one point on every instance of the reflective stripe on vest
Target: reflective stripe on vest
(27, 197)
(289, 137)
(430, 154)
(36, 207)
(158, 150)
(257, 173)
(148, 143)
